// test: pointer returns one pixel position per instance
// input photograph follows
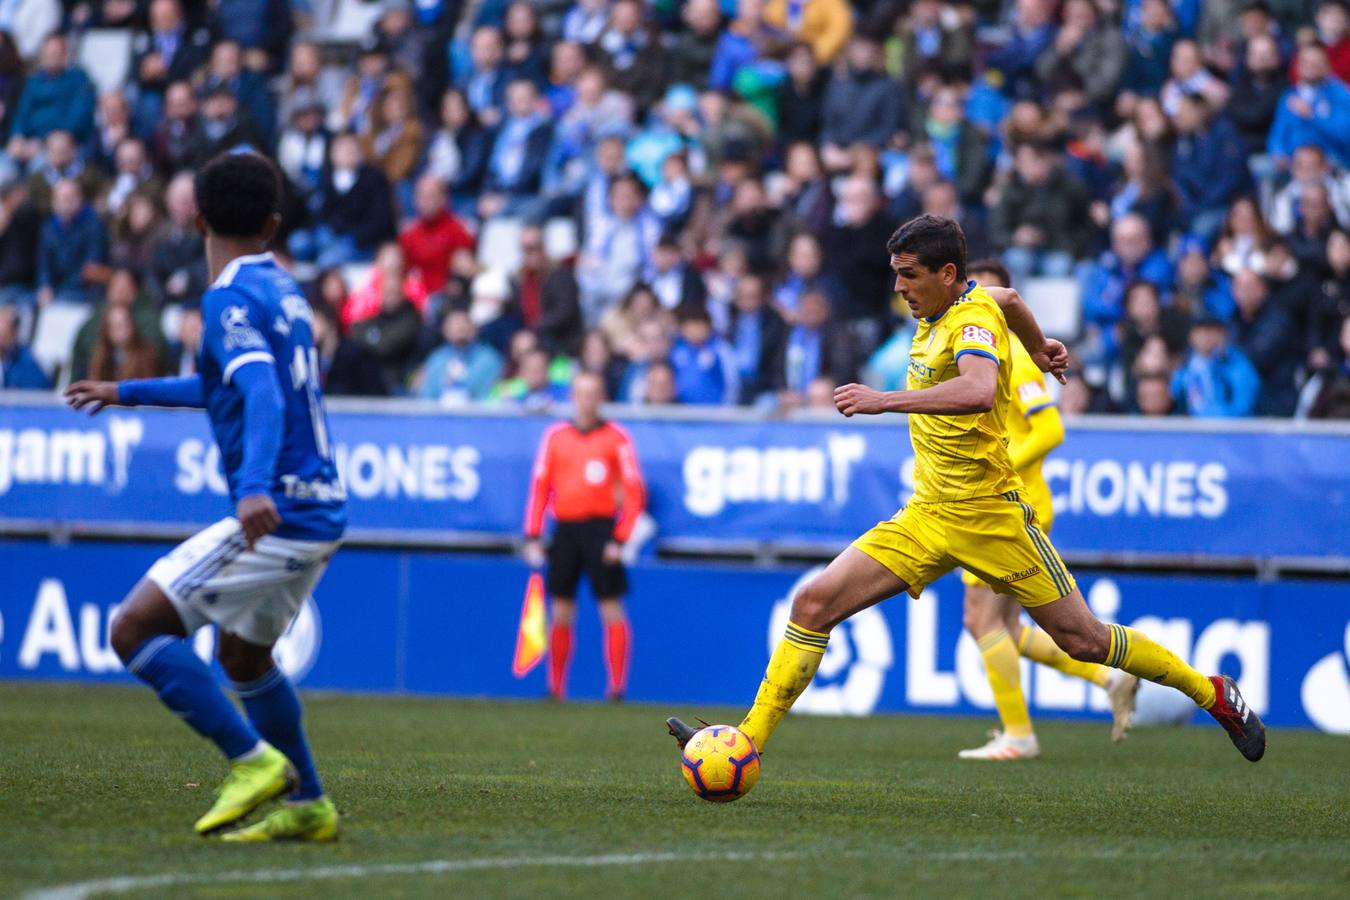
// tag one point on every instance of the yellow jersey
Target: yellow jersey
(961, 457)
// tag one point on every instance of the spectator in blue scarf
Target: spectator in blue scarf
(485, 83)
(515, 167)
(462, 369)
(1215, 379)
(705, 367)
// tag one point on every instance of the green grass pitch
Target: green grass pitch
(478, 799)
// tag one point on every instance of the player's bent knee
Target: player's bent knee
(1083, 646)
(811, 606)
(241, 660)
(982, 611)
(980, 619)
(127, 635)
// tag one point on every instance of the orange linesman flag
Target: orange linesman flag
(532, 636)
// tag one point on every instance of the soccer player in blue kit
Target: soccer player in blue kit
(249, 573)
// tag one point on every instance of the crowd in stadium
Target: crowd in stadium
(693, 199)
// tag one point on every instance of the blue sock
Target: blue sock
(186, 686)
(274, 709)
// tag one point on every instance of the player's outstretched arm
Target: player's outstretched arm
(970, 392)
(183, 391)
(1049, 354)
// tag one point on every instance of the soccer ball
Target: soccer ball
(720, 763)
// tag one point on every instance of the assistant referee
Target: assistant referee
(588, 471)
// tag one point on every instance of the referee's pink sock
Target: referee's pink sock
(618, 644)
(559, 655)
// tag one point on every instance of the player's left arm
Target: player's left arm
(1049, 354)
(973, 391)
(233, 337)
(263, 427)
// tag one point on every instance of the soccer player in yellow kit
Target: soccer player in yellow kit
(994, 619)
(969, 508)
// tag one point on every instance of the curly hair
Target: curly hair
(238, 193)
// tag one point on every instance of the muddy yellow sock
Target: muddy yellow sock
(1138, 654)
(790, 670)
(1038, 646)
(1000, 664)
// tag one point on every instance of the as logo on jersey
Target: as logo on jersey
(239, 331)
(978, 335)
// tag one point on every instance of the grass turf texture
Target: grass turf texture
(102, 782)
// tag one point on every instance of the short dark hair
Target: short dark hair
(935, 240)
(691, 312)
(990, 264)
(628, 176)
(238, 193)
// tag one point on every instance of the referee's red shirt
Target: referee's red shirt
(581, 472)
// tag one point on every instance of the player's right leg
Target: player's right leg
(149, 636)
(1121, 687)
(1085, 637)
(999, 540)
(984, 619)
(852, 582)
(274, 708)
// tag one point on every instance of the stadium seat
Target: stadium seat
(351, 21)
(105, 53)
(356, 274)
(54, 337)
(1057, 306)
(170, 320)
(560, 239)
(499, 245)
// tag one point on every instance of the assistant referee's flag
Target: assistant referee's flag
(532, 636)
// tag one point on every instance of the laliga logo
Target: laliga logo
(853, 671)
(1326, 691)
(295, 651)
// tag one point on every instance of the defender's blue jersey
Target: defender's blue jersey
(256, 313)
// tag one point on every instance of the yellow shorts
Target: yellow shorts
(995, 538)
(1036, 495)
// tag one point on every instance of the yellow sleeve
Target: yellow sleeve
(1045, 432)
(977, 328)
(1028, 384)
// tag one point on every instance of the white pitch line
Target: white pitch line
(80, 890)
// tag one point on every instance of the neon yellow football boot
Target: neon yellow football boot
(250, 784)
(316, 820)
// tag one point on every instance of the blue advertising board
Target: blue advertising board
(1118, 490)
(386, 620)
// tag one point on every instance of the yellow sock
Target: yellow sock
(1038, 646)
(790, 670)
(1000, 664)
(1138, 654)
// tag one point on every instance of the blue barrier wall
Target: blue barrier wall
(1176, 491)
(438, 623)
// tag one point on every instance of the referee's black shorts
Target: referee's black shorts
(580, 547)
